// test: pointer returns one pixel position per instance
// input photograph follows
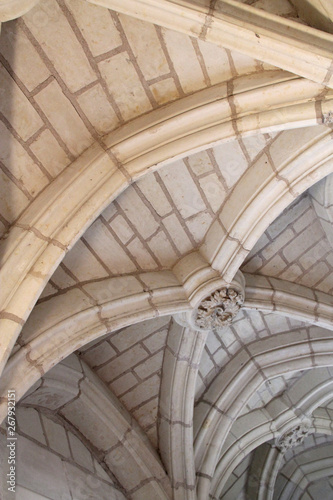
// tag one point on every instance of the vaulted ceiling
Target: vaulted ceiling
(166, 250)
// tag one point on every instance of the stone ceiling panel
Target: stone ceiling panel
(72, 72)
(94, 66)
(247, 327)
(161, 217)
(295, 248)
(130, 362)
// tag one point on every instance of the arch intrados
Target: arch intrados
(229, 397)
(86, 187)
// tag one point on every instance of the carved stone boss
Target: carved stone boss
(217, 310)
(293, 438)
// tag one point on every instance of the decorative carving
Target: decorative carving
(328, 118)
(219, 309)
(293, 438)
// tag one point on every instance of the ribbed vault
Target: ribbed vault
(166, 307)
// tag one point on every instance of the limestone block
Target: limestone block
(64, 118)
(50, 27)
(98, 110)
(151, 366)
(121, 228)
(156, 341)
(96, 26)
(216, 61)
(90, 487)
(116, 366)
(23, 57)
(146, 47)
(164, 91)
(213, 190)
(138, 213)
(18, 200)
(99, 354)
(184, 193)
(49, 153)
(200, 163)
(99, 237)
(135, 333)
(56, 436)
(177, 233)
(147, 413)
(29, 423)
(143, 392)
(123, 383)
(41, 471)
(162, 249)
(185, 61)
(80, 453)
(114, 288)
(83, 264)
(152, 190)
(125, 85)
(17, 110)
(141, 255)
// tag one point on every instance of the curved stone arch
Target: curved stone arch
(247, 214)
(297, 48)
(82, 399)
(269, 472)
(179, 371)
(38, 241)
(273, 422)
(239, 379)
(263, 488)
(322, 200)
(306, 474)
(86, 316)
(290, 299)
(68, 321)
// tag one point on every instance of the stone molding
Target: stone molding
(82, 398)
(321, 424)
(193, 279)
(273, 421)
(289, 299)
(233, 386)
(240, 224)
(322, 201)
(37, 242)
(230, 24)
(179, 371)
(294, 437)
(300, 472)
